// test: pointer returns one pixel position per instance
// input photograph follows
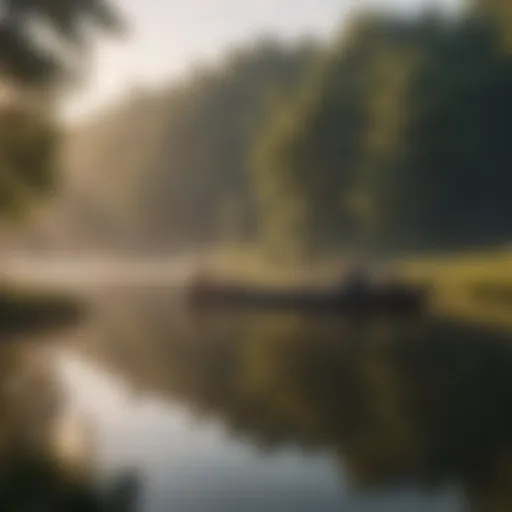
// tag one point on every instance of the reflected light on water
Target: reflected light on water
(72, 441)
(193, 463)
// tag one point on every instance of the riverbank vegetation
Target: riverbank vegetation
(390, 136)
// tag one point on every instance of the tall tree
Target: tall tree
(41, 45)
(306, 160)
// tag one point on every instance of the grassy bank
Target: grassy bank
(468, 285)
(474, 286)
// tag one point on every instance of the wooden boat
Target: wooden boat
(390, 298)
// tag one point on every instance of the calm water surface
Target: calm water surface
(282, 412)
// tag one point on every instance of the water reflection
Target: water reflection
(45, 450)
(400, 408)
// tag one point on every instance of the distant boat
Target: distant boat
(385, 298)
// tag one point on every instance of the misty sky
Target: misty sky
(167, 37)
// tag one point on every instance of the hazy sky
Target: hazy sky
(166, 37)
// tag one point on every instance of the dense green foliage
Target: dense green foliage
(28, 157)
(203, 189)
(24, 57)
(399, 140)
(41, 46)
(393, 135)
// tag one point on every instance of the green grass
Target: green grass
(472, 286)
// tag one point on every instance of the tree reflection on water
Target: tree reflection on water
(426, 403)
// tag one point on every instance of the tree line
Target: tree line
(392, 135)
(399, 139)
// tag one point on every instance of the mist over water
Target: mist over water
(98, 271)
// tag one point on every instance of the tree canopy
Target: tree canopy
(400, 138)
(181, 155)
(392, 135)
(40, 46)
(23, 54)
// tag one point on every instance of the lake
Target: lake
(268, 412)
